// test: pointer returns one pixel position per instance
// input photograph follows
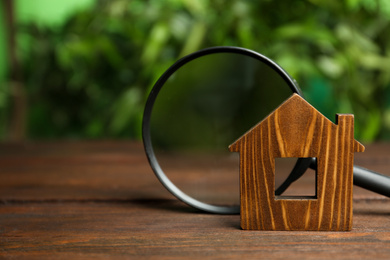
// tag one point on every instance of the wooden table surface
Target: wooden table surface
(80, 200)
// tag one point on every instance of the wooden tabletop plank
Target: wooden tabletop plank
(167, 228)
(110, 171)
(75, 171)
(100, 200)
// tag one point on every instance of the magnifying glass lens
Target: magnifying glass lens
(203, 107)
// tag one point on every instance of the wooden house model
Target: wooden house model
(297, 129)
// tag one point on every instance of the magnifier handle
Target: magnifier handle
(371, 180)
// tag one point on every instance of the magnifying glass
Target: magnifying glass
(199, 106)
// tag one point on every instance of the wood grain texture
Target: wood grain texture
(296, 129)
(100, 200)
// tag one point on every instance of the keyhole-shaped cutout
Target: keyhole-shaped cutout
(303, 188)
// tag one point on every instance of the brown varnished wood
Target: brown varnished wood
(296, 129)
(100, 200)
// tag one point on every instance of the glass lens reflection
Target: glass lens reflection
(204, 107)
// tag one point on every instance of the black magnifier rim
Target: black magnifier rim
(168, 184)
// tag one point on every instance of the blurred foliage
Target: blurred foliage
(90, 77)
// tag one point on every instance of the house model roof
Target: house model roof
(295, 119)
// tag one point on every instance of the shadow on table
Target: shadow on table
(179, 207)
(165, 204)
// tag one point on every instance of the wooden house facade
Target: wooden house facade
(297, 129)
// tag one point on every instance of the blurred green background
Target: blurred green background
(83, 69)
